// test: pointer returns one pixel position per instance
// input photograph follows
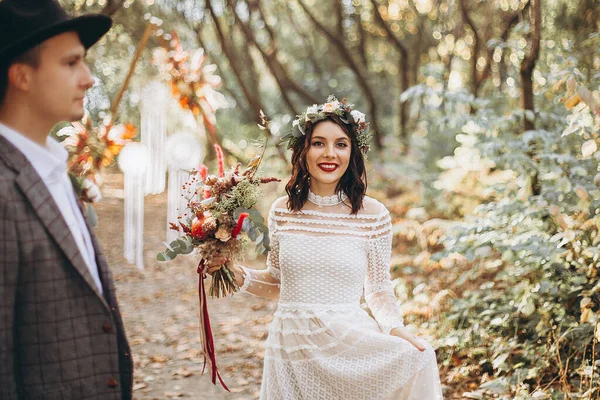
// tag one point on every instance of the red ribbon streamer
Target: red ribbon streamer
(208, 346)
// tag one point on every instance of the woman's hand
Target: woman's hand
(216, 263)
(405, 334)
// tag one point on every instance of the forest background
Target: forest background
(486, 121)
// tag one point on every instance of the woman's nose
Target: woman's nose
(329, 151)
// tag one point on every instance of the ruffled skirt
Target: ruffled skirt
(338, 352)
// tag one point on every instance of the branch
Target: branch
(390, 35)
(235, 95)
(362, 42)
(308, 47)
(362, 80)
(339, 12)
(254, 102)
(111, 7)
(285, 76)
(269, 59)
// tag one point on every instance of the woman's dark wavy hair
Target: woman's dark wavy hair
(353, 183)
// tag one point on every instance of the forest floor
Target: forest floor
(160, 309)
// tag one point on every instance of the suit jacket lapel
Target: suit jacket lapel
(101, 262)
(48, 212)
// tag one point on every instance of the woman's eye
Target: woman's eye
(317, 143)
(342, 144)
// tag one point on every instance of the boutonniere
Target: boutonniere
(87, 192)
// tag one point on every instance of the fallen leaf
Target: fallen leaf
(173, 395)
(159, 358)
(139, 386)
(184, 372)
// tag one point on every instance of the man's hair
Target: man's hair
(31, 57)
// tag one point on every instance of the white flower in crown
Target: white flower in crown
(358, 116)
(313, 109)
(331, 107)
(316, 113)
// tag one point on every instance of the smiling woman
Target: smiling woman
(329, 162)
(330, 245)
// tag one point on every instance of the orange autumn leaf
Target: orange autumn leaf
(572, 101)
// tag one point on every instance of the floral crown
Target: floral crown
(319, 112)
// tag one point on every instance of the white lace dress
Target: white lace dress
(321, 343)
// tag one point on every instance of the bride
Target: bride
(330, 244)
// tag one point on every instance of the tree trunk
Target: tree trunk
(528, 64)
(404, 68)
(475, 53)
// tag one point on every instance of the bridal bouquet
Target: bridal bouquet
(219, 208)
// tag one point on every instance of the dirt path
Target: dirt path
(160, 309)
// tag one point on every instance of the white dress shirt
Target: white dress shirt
(50, 163)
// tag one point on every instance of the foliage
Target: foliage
(524, 317)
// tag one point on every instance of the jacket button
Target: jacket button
(112, 383)
(107, 328)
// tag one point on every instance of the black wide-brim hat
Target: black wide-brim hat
(27, 23)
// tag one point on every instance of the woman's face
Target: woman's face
(329, 154)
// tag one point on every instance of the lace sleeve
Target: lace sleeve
(265, 283)
(379, 292)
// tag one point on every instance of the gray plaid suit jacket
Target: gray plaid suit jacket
(60, 339)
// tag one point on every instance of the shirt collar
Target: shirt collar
(45, 160)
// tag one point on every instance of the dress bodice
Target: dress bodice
(323, 253)
(315, 270)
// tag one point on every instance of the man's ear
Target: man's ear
(20, 76)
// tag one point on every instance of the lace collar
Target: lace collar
(324, 201)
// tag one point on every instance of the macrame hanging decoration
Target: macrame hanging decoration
(154, 134)
(133, 161)
(185, 153)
